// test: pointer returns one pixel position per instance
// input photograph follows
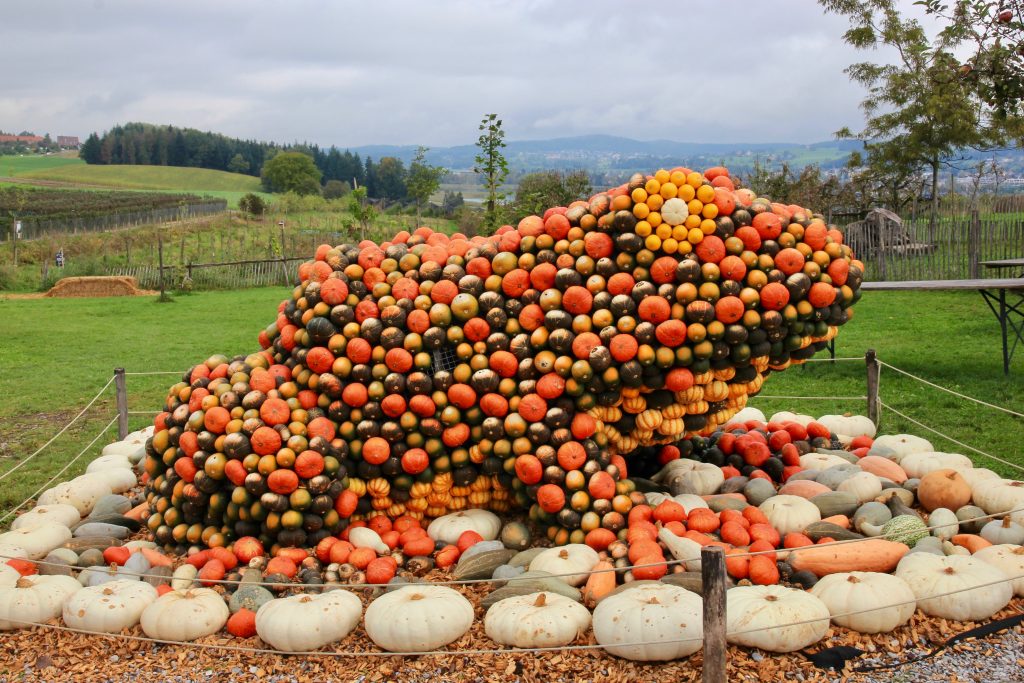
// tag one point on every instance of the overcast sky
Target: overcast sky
(420, 72)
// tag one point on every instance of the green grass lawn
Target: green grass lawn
(148, 177)
(57, 353)
(16, 165)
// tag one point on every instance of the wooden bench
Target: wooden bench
(1010, 314)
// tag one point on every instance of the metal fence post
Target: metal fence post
(712, 570)
(122, 403)
(871, 361)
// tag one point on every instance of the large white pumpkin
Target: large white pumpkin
(34, 600)
(303, 623)
(185, 615)
(8, 575)
(1009, 559)
(106, 462)
(896, 446)
(116, 479)
(82, 493)
(536, 620)
(960, 584)
(784, 416)
(449, 527)
(1000, 495)
(110, 607)
(38, 540)
(418, 618)
(703, 477)
(767, 616)
(858, 591)
(650, 622)
(569, 562)
(790, 513)
(920, 464)
(848, 425)
(864, 485)
(821, 461)
(60, 513)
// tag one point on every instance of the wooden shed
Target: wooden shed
(882, 231)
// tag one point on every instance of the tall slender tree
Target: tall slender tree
(491, 164)
(423, 179)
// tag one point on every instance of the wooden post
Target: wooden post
(880, 226)
(160, 252)
(122, 403)
(974, 244)
(712, 571)
(871, 361)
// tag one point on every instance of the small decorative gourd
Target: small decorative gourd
(418, 618)
(650, 622)
(536, 620)
(110, 607)
(570, 562)
(185, 615)
(790, 513)
(303, 623)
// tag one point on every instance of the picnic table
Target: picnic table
(1010, 314)
(1006, 263)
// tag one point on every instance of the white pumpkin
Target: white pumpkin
(848, 425)
(703, 477)
(896, 446)
(81, 493)
(133, 447)
(12, 551)
(650, 622)
(536, 620)
(682, 548)
(34, 600)
(1000, 495)
(745, 415)
(449, 527)
(690, 501)
(108, 608)
(864, 485)
(116, 479)
(8, 575)
(998, 532)
(767, 616)
(790, 513)
(784, 416)
(61, 513)
(975, 475)
(858, 591)
(920, 464)
(1009, 559)
(936, 575)
(570, 562)
(364, 537)
(39, 540)
(303, 623)
(821, 461)
(418, 618)
(185, 615)
(944, 522)
(111, 461)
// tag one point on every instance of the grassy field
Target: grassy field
(11, 165)
(948, 338)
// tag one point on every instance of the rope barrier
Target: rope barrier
(154, 372)
(63, 429)
(949, 438)
(859, 359)
(950, 391)
(468, 582)
(62, 471)
(815, 398)
(481, 651)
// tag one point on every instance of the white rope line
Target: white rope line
(949, 438)
(155, 372)
(62, 471)
(512, 580)
(950, 391)
(524, 650)
(815, 359)
(23, 461)
(813, 398)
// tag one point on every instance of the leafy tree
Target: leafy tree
(291, 172)
(90, 150)
(423, 179)
(252, 204)
(921, 111)
(451, 203)
(491, 164)
(391, 178)
(538, 191)
(335, 189)
(238, 164)
(361, 209)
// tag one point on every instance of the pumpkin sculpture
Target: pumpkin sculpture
(532, 368)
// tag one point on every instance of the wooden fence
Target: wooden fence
(35, 228)
(950, 249)
(205, 276)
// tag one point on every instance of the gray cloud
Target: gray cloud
(406, 72)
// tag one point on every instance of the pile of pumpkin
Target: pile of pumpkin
(529, 369)
(860, 536)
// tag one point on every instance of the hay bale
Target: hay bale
(95, 286)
